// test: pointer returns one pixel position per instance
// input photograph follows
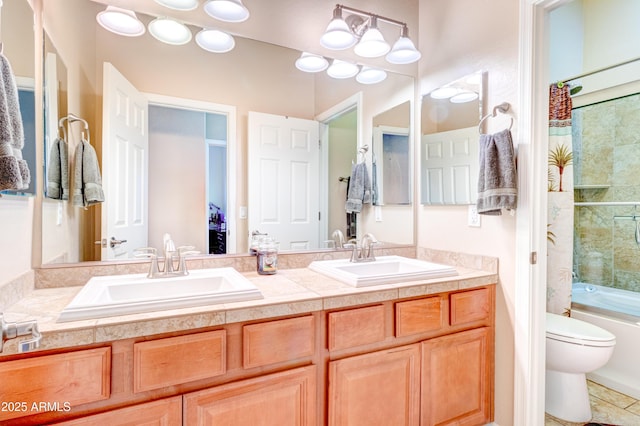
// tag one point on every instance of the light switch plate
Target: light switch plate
(474, 217)
(378, 213)
(243, 212)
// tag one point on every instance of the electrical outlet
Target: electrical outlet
(378, 213)
(474, 217)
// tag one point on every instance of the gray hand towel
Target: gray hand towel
(58, 171)
(14, 172)
(498, 180)
(87, 185)
(359, 188)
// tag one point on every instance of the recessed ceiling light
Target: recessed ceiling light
(215, 41)
(170, 31)
(120, 21)
(179, 4)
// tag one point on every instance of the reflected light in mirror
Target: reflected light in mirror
(170, 31)
(179, 4)
(371, 75)
(215, 41)
(308, 62)
(120, 21)
(444, 92)
(464, 97)
(342, 69)
(227, 10)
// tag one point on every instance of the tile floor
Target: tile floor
(608, 407)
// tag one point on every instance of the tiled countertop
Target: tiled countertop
(289, 292)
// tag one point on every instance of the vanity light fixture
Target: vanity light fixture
(345, 33)
(170, 31)
(463, 97)
(372, 43)
(308, 62)
(342, 69)
(338, 35)
(368, 75)
(120, 21)
(227, 10)
(403, 50)
(215, 41)
(179, 4)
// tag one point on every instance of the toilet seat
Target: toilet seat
(577, 332)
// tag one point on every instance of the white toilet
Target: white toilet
(574, 348)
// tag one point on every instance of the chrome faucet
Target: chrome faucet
(11, 330)
(338, 238)
(362, 251)
(168, 269)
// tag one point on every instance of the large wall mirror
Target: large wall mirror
(449, 142)
(18, 48)
(186, 163)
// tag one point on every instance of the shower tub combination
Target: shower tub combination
(617, 311)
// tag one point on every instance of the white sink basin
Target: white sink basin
(384, 270)
(135, 293)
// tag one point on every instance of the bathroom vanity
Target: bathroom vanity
(314, 351)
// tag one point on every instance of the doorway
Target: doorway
(191, 150)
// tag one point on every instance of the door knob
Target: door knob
(113, 242)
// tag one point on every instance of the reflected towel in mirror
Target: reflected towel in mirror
(87, 185)
(359, 191)
(58, 170)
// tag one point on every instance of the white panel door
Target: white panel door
(450, 167)
(284, 158)
(125, 162)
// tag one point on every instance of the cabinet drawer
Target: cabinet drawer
(175, 360)
(469, 306)
(419, 316)
(162, 412)
(355, 327)
(72, 379)
(277, 341)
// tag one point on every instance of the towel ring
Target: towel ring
(503, 108)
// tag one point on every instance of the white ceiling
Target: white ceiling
(297, 24)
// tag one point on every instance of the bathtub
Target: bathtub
(617, 311)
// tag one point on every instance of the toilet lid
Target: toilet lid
(570, 329)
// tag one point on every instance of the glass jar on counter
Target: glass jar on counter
(267, 257)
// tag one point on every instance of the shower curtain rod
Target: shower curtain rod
(600, 70)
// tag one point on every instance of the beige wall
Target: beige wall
(459, 37)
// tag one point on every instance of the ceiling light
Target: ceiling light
(179, 4)
(227, 10)
(120, 21)
(308, 62)
(338, 36)
(444, 92)
(170, 31)
(371, 75)
(372, 44)
(463, 97)
(215, 41)
(342, 69)
(403, 51)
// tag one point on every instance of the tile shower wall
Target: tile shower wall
(606, 142)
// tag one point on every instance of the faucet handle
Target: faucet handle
(11, 330)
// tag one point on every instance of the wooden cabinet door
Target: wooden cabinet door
(379, 388)
(287, 398)
(456, 379)
(164, 412)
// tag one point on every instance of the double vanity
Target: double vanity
(324, 341)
